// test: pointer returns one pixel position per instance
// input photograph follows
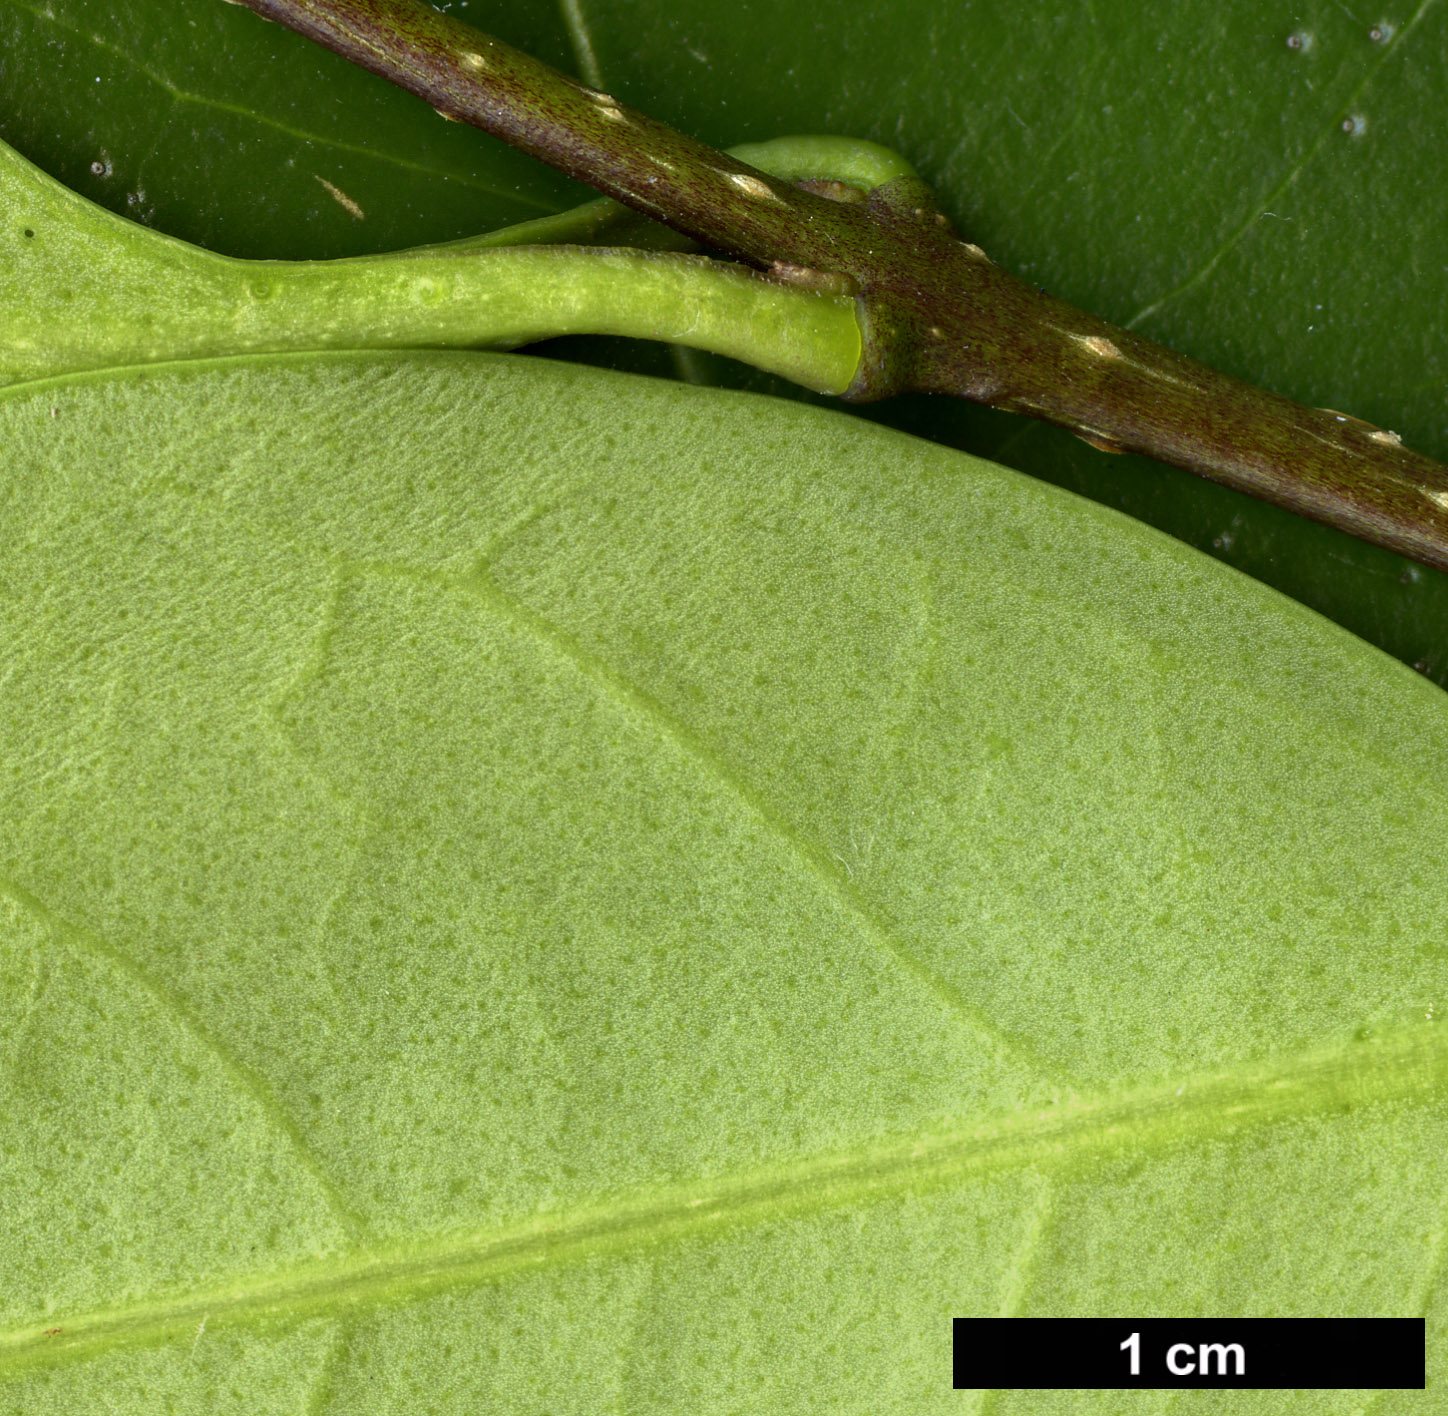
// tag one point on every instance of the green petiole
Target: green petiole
(81, 288)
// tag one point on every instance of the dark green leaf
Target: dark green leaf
(200, 119)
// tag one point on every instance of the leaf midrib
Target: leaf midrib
(1406, 1065)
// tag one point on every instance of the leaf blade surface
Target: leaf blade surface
(687, 854)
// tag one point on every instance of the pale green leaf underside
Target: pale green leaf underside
(528, 890)
(82, 289)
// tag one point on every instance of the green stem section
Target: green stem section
(500, 299)
(83, 289)
(939, 317)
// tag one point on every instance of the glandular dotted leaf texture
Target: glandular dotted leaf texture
(659, 907)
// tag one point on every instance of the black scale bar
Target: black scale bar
(1275, 1354)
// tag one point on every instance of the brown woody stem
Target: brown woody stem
(938, 316)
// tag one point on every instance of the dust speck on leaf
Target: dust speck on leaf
(341, 198)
